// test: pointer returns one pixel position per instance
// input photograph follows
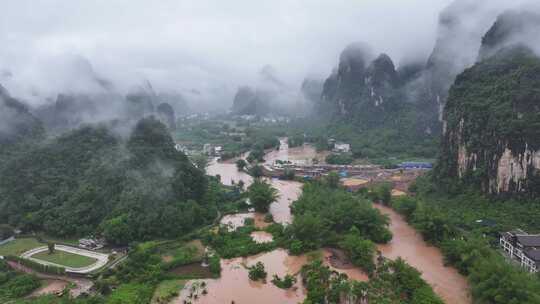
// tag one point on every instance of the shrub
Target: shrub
(287, 282)
(257, 272)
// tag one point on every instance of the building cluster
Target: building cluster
(339, 147)
(415, 165)
(212, 150)
(522, 247)
(91, 244)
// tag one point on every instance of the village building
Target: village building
(218, 150)
(342, 147)
(415, 165)
(179, 148)
(522, 247)
(92, 244)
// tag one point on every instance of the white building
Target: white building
(342, 147)
(523, 247)
(218, 150)
(92, 244)
(180, 148)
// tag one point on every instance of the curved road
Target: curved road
(101, 258)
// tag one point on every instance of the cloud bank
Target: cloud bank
(205, 48)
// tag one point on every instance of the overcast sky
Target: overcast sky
(200, 44)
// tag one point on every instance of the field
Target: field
(166, 290)
(65, 258)
(191, 251)
(19, 246)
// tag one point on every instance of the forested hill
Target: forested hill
(88, 181)
(492, 117)
(366, 102)
(492, 137)
(16, 122)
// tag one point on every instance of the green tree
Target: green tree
(257, 272)
(241, 164)
(200, 161)
(118, 231)
(361, 251)
(287, 282)
(256, 171)
(332, 180)
(50, 246)
(309, 232)
(261, 195)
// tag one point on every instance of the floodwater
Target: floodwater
(408, 244)
(236, 220)
(261, 237)
(302, 155)
(288, 190)
(228, 172)
(235, 285)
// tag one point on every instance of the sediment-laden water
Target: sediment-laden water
(234, 284)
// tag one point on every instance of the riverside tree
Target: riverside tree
(262, 194)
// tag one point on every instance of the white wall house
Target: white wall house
(342, 147)
(522, 247)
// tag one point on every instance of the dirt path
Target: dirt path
(82, 285)
(51, 286)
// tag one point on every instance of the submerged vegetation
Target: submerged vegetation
(392, 282)
(323, 214)
(257, 272)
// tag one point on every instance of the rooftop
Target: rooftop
(529, 240)
(533, 254)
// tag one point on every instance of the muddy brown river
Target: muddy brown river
(408, 244)
(234, 284)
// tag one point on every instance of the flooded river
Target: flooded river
(234, 284)
(408, 244)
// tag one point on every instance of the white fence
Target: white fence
(101, 258)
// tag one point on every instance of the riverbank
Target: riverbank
(234, 284)
(408, 244)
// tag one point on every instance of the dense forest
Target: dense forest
(89, 181)
(489, 131)
(324, 213)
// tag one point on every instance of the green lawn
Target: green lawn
(193, 249)
(19, 246)
(65, 258)
(166, 290)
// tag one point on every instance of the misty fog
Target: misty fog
(205, 50)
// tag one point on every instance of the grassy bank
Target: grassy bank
(18, 246)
